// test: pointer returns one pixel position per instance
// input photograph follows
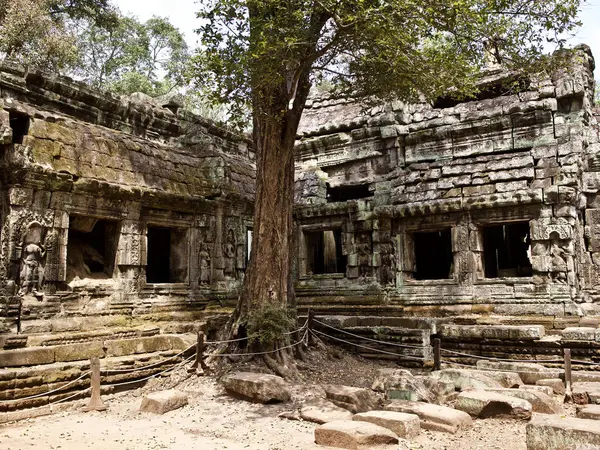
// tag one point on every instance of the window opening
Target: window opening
(505, 250)
(344, 193)
(324, 252)
(433, 255)
(91, 248)
(19, 123)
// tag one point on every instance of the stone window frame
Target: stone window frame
(171, 220)
(481, 220)
(336, 224)
(97, 214)
(407, 247)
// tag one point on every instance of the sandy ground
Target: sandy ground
(212, 420)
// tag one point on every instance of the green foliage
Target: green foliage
(267, 51)
(130, 56)
(37, 33)
(269, 324)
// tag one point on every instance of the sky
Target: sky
(182, 14)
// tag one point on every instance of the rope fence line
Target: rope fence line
(149, 366)
(394, 344)
(44, 394)
(176, 366)
(415, 358)
(267, 352)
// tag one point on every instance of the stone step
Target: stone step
(105, 346)
(433, 417)
(502, 332)
(553, 432)
(16, 384)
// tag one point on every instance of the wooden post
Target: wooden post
(310, 324)
(568, 378)
(437, 354)
(95, 403)
(199, 366)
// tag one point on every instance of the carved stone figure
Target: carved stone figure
(229, 253)
(32, 270)
(204, 268)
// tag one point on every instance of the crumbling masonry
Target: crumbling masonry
(126, 225)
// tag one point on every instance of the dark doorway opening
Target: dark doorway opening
(505, 250)
(19, 122)
(344, 193)
(91, 248)
(158, 269)
(433, 255)
(324, 252)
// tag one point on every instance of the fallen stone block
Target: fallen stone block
(556, 384)
(589, 412)
(478, 379)
(352, 398)
(402, 385)
(257, 387)
(164, 401)
(406, 426)
(586, 392)
(484, 404)
(529, 372)
(352, 434)
(540, 402)
(546, 432)
(433, 417)
(544, 389)
(322, 411)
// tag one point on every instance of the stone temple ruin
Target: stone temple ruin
(127, 225)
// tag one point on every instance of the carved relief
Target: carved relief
(229, 254)
(31, 271)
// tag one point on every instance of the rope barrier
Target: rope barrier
(228, 341)
(263, 353)
(149, 366)
(415, 358)
(154, 375)
(70, 396)
(43, 394)
(369, 339)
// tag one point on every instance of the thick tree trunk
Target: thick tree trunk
(267, 280)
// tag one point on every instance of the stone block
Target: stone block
(406, 426)
(124, 347)
(352, 434)
(540, 402)
(433, 417)
(478, 379)
(322, 411)
(589, 412)
(485, 404)
(529, 372)
(550, 432)
(579, 334)
(29, 356)
(257, 387)
(164, 401)
(544, 389)
(505, 332)
(585, 392)
(556, 384)
(78, 352)
(402, 381)
(352, 398)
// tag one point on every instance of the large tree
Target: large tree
(264, 55)
(36, 32)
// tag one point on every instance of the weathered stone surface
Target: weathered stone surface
(433, 417)
(258, 387)
(556, 384)
(540, 402)
(546, 432)
(589, 412)
(399, 383)
(529, 372)
(579, 333)
(484, 404)
(26, 357)
(544, 389)
(323, 411)
(406, 426)
(507, 332)
(352, 398)
(353, 435)
(586, 392)
(478, 379)
(164, 401)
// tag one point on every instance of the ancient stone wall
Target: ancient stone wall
(115, 210)
(462, 210)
